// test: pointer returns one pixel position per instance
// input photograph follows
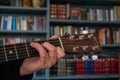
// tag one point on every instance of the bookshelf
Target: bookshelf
(108, 49)
(119, 62)
(15, 9)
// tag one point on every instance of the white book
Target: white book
(106, 15)
(9, 25)
(23, 23)
(115, 13)
(111, 15)
(2, 22)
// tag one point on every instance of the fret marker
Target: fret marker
(10, 52)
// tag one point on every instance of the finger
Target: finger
(41, 51)
(52, 51)
(61, 53)
(54, 37)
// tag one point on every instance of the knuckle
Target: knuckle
(43, 56)
(54, 49)
(49, 65)
(45, 43)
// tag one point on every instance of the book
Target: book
(26, 3)
(75, 13)
(58, 11)
(118, 13)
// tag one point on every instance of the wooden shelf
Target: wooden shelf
(90, 2)
(21, 10)
(83, 23)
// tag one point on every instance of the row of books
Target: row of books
(31, 3)
(69, 66)
(37, 23)
(106, 35)
(66, 11)
(11, 40)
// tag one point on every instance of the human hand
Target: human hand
(48, 55)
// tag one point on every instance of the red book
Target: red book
(80, 67)
(98, 66)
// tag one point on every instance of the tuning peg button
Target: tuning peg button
(94, 47)
(85, 47)
(81, 37)
(90, 36)
(75, 48)
(71, 37)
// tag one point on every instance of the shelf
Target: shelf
(91, 2)
(22, 33)
(39, 78)
(86, 77)
(84, 23)
(21, 10)
(111, 46)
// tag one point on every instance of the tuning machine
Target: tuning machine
(81, 37)
(71, 37)
(90, 36)
(85, 47)
(94, 47)
(75, 48)
(85, 57)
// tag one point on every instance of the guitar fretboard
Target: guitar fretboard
(20, 50)
(83, 43)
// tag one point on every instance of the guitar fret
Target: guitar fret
(32, 51)
(83, 43)
(10, 52)
(61, 43)
(27, 50)
(5, 53)
(2, 55)
(16, 51)
(21, 50)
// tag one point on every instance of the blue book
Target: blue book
(5, 23)
(89, 67)
(13, 23)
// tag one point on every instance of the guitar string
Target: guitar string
(31, 50)
(45, 40)
(29, 43)
(28, 46)
(52, 41)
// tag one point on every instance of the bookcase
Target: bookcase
(102, 15)
(119, 62)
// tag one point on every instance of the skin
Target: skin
(48, 55)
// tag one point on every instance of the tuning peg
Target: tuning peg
(90, 36)
(85, 57)
(81, 37)
(85, 47)
(71, 37)
(75, 48)
(94, 57)
(94, 47)
(85, 31)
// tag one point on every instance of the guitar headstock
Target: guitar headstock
(82, 43)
